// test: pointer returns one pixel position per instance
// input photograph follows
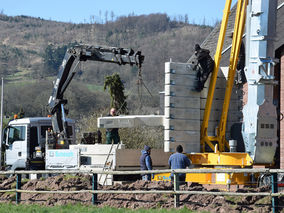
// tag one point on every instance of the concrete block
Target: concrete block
(182, 113)
(130, 121)
(179, 68)
(213, 125)
(180, 80)
(181, 136)
(178, 124)
(96, 161)
(215, 115)
(219, 94)
(181, 91)
(91, 149)
(182, 102)
(187, 148)
(218, 104)
(220, 82)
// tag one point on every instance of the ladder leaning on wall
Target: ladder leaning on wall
(108, 164)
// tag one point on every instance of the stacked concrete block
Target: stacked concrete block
(182, 108)
(281, 109)
(235, 107)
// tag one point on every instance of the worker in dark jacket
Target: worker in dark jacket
(179, 161)
(240, 69)
(241, 77)
(146, 162)
(207, 66)
(112, 135)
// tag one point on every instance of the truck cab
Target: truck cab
(26, 136)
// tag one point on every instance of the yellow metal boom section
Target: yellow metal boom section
(203, 134)
(237, 38)
(236, 44)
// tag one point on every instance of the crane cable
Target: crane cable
(141, 83)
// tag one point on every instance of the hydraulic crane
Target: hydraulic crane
(259, 126)
(67, 71)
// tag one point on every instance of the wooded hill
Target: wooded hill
(32, 49)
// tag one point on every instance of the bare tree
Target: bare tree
(106, 16)
(92, 19)
(100, 15)
(186, 18)
(112, 16)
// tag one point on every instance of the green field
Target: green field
(80, 209)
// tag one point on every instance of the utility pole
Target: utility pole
(1, 122)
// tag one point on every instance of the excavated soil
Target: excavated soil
(210, 203)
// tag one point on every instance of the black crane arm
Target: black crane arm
(67, 70)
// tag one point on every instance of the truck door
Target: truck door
(33, 140)
(16, 142)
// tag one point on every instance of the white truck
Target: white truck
(25, 145)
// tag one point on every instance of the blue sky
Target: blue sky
(81, 11)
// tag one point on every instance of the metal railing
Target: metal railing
(274, 194)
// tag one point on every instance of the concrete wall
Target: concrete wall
(282, 110)
(184, 108)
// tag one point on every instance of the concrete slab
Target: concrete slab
(182, 136)
(182, 102)
(215, 115)
(220, 94)
(91, 149)
(187, 147)
(181, 80)
(130, 121)
(235, 105)
(181, 91)
(179, 124)
(176, 113)
(179, 68)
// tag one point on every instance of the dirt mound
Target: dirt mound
(66, 183)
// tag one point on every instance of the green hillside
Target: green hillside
(32, 49)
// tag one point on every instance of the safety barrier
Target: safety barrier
(274, 194)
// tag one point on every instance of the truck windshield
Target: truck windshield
(16, 133)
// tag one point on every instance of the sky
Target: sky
(85, 11)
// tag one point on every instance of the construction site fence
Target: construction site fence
(274, 194)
